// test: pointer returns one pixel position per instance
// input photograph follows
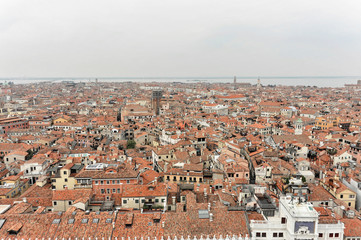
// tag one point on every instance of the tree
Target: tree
(303, 179)
(331, 151)
(131, 144)
(30, 154)
(287, 181)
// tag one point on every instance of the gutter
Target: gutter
(113, 223)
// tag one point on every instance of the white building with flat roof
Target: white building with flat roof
(296, 220)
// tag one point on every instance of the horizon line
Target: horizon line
(185, 77)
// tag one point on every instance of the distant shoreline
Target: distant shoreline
(319, 81)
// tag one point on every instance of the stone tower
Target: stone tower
(156, 98)
(298, 127)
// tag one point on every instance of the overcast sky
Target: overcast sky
(152, 38)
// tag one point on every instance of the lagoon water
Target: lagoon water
(320, 81)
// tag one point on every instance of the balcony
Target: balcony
(82, 186)
(9, 185)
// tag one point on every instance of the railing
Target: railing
(259, 222)
(34, 173)
(9, 186)
(78, 186)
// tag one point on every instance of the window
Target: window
(143, 200)
(320, 235)
(280, 234)
(258, 234)
(330, 235)
(64, 172)
(113, 190)
(113, 182)
(337, 235)
(352, 196)
(55, 203)
(102, 191)
(118, 181)
(163, 200)
(349, 204)
(341, 196)
(102, 182)
(283, 220)
(264, 234)
(124, 201)
(70, 202)
(156, 200)
(108, 182)
(128, 181)
(65, 180)
(108, 190)
(275, 235)
(96, 182)
(136, 200)
(118, 190)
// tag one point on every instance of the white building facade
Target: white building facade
(296, 220)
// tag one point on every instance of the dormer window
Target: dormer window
(15, 229)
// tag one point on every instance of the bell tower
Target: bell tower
(298, 127)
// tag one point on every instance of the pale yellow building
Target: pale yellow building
(144, 196)
(340, 191)
(65, 178)
(13, 186)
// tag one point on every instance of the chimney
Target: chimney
(330, 182)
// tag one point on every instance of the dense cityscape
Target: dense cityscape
(196, 160)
